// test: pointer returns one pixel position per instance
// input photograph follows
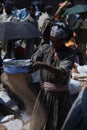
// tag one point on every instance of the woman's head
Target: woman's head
(60, 33)
(49, 9)
(31, 10)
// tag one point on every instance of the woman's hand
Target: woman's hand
(84, 84)
(57, 14)
(37, 65)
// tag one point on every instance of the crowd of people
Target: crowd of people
(54, 57)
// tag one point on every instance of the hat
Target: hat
(59, 30)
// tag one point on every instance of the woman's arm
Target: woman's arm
(57, 15)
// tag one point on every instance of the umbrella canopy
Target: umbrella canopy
(18, 30)
(80, 8)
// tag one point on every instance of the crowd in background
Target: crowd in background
(56, 55)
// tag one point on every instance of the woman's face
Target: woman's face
(56, 42)
(32, 11)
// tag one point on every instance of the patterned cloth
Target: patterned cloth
(57, 31)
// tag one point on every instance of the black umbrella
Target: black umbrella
(18, 30)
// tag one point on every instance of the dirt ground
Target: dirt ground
(26, 125)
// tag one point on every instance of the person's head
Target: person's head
(60, 33)
(31, 10)
(49, 9)
(8, 7)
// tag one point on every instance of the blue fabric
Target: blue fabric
(16, 66)
(20, 13)
(15, 70)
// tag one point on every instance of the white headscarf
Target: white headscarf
(58, 30)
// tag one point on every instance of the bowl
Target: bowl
(16, 66)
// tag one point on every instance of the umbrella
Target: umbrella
(18, 30)
(80, 8)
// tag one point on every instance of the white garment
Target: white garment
(42, 19)
(82, 69)
(74, 87)
(2, 16)
(29, 19)
(7, 18)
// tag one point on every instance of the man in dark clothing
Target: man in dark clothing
(77, 117)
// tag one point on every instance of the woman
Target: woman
(55, 61)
